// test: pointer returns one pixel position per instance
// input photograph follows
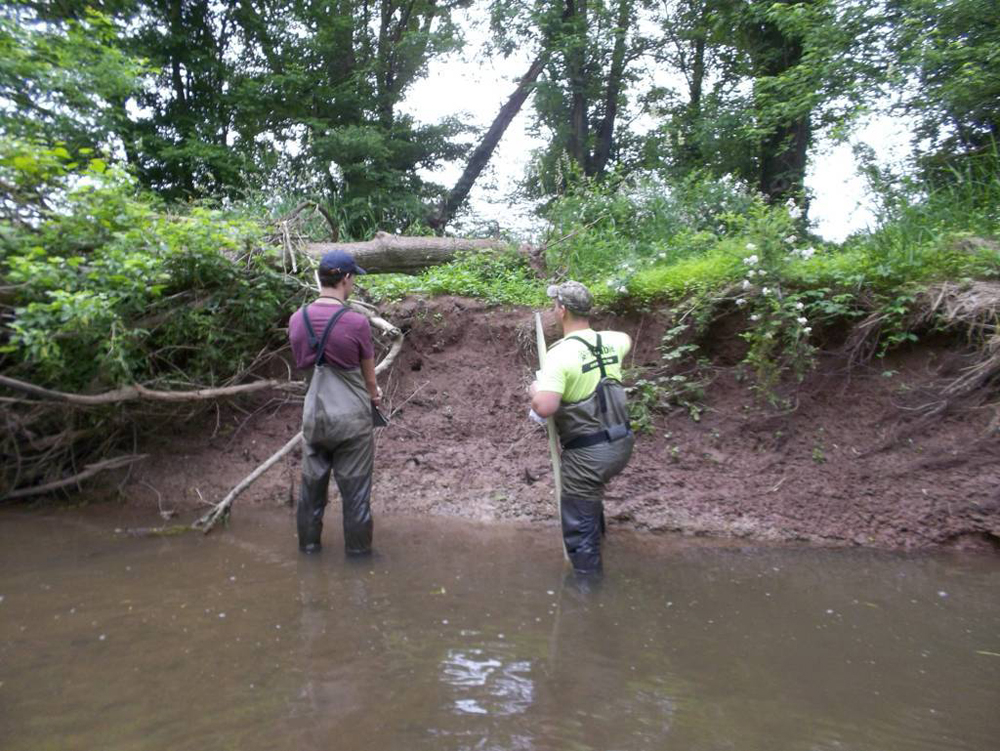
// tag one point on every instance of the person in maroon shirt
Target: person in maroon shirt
(336, 343)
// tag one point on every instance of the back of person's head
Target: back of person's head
(573, 296)
(335, 266)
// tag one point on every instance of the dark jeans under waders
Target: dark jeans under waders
(585, 472)
(351, 463)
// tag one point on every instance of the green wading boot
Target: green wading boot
(309, 513)
(355, 493)
(581, 525)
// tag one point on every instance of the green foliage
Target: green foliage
(277, 95)
(951, 47)
(500, 278)
(617, 238)
(62, 80)
(707, 241)
(110, 289)
(643, 402)
(779, 340)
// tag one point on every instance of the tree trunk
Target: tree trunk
(576, 61)
(481, 156)
(784, 152)
(388, 254)
(783, 161)
(605, 133)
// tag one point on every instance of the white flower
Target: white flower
(750, 260)
(806, 330)
(802, 320)
(611, 283)
(765, 290)
(791, 239)
(622, 288)
(755, 317)
(746, 284)
(761, 272)
(799, 306)
(793, 209)
(751, 246)
(741, 302)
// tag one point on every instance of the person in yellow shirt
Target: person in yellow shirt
(580, 386)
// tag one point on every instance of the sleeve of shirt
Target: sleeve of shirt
(299, 340)
(553, 375)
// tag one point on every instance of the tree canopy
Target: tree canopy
(298, 98)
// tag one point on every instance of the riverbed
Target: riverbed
(457, 635)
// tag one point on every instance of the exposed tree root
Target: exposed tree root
(970, 309)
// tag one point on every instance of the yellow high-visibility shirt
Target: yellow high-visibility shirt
(572, 370)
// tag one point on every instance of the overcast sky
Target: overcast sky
(475, 87)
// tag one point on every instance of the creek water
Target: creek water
(464, 636)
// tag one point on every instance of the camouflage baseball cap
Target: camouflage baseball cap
(573, 296)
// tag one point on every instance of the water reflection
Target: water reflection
(485, 684)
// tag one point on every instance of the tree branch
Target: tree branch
(89, 471)
(139, 392)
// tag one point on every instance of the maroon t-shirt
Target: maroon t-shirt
(349, 343)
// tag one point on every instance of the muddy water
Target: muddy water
(471, 637)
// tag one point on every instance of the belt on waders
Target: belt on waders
(612, 433)
(601, 436)
(318, 346)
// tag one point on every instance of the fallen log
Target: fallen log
(393, 254)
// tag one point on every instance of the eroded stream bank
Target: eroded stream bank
(468, 636)
(845, 464)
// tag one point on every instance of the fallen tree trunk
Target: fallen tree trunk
(392, 254)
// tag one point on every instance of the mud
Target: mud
(845, 463)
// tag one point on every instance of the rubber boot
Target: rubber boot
(581, 525)
(355, 493)
(309, 513)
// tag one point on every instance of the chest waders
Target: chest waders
(597, 443)
(337, 426)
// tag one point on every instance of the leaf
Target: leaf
(25, 163)
(97, 165)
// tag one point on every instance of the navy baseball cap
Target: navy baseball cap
(340, 260)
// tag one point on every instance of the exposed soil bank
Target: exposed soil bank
(844, 466)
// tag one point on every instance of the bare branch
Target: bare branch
(139, 392)
(89, 471)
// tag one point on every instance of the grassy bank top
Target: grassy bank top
(106, 286)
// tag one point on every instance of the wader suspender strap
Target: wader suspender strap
(319, 347)
(596, 352)
(615, 431)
